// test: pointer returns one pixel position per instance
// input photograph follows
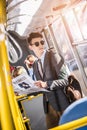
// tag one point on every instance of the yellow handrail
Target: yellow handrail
(5, 111)
(72, 125)
(10, 116)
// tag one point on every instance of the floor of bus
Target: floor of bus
(34, 111)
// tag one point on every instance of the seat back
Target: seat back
(76, 110)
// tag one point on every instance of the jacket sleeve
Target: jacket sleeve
(61, 81)
(57, 62)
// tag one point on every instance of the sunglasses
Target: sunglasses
(38, 43)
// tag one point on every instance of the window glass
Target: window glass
(82, 50)
(81, 13)
(63, 43)
(73, 26)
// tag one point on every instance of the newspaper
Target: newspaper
(23, 84)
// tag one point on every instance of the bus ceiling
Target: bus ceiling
(24, 16)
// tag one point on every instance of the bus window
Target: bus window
(82, 50)
(63, 40)
(81, 13)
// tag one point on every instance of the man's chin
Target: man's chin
(42, 51)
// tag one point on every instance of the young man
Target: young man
(53, 77)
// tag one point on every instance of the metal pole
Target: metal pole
(11, 118)
(6, 119)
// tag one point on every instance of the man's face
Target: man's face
(37, 46)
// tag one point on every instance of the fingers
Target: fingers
(41, 84)
(38, 83)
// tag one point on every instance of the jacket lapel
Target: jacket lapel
(35, 68)
(46, 59)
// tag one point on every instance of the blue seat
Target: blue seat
(76, 110)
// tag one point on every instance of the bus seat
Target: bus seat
(76, 110)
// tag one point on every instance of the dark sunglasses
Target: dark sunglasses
(38, 43)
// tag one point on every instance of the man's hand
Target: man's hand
(40, 84)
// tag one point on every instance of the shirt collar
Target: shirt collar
(43, 55)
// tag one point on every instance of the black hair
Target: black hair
(33, 35)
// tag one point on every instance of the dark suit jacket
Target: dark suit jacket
(54, 73)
